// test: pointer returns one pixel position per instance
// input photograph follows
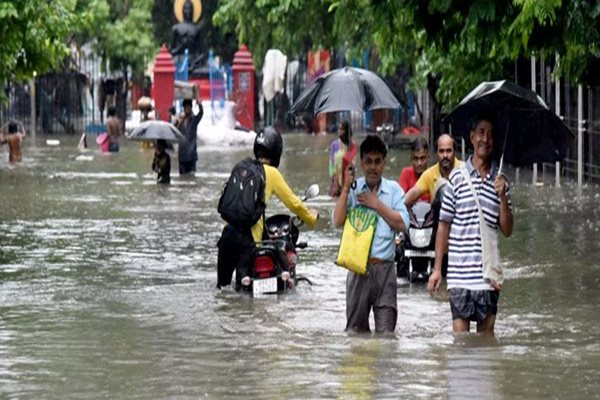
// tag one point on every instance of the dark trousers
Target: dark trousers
(235, 247)
(187, 167)
(377, 290)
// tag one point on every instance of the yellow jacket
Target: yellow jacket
(430, 176)
(274, 183)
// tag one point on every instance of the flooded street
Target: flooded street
(107, 290)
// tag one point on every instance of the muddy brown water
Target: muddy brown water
(107, 291)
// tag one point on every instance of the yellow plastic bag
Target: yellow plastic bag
(357, 237)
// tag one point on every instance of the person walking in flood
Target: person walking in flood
(377, 289)
(187, 123)
(162, 163)
(472, 298)
(342, 153)
(114, 129)
(14, 139)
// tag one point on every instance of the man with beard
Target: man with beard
(446, 163)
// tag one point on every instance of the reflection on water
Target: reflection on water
(107, 290)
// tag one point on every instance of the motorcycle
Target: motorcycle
(415, 252)
(273, 261)
(416, 256)
(391, 137)
(386, 132)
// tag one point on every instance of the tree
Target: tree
(447, 46)
(35, 36)
(292, 26)
(123, 33)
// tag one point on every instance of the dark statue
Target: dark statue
(187, 35)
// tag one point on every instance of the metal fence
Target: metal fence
(75, 98)
(577, 112)
(65, 101)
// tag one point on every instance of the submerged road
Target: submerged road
(107, 290)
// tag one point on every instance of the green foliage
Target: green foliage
(293, 26)
(129, 40)
(35, 36)
(448, 46)
(122, 32)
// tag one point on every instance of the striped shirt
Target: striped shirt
(465, 263)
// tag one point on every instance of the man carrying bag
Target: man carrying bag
(475, 207)
(376, 288)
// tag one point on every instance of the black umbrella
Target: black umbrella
(526, 130)
(156, 130)
(345, 89)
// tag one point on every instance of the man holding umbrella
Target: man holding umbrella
(471, 297)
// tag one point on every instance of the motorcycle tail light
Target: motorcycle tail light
(264, 266)
(285, 276)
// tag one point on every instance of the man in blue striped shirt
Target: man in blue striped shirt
(471, 297)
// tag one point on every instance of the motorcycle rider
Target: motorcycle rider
(236, 245)
(430, 182)
(447, 161)
(419, 157)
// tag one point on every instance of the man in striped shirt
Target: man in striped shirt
(471, 297)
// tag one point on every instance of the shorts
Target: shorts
(473, 305)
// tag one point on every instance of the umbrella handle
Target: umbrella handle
(503, 148)
(501, 164)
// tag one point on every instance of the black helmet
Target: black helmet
(268, 144)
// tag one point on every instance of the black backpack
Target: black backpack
(243, 200)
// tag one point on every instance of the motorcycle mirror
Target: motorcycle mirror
(312, 191)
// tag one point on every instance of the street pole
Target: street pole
(580, 123)
(535, 169)
(557, 110)
(32, 107)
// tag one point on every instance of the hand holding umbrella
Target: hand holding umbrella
(527, 130)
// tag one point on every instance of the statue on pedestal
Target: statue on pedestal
(187, 35)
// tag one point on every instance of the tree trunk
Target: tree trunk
(435, 107)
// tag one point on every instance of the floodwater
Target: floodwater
(107, 290)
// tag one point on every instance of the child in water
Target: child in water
(162, 162)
